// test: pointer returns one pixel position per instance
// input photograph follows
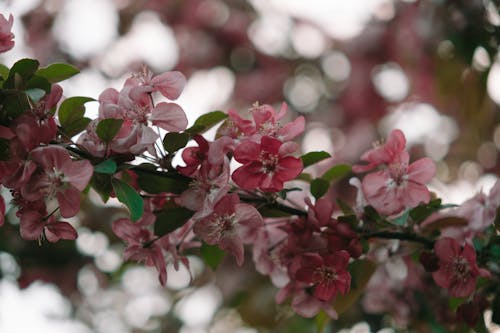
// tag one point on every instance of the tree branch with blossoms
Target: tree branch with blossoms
(312, 253)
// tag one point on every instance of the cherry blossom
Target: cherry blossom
(458, 270)
(34, 225)
(266, 165)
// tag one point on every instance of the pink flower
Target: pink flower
(327, 274)
(231, 225)
(266, 165)
(61, 178)
(2, 211)
(458, 270)
(6, 36)
(400, 185)
(34, 225)
(384, 154)
(142, 244)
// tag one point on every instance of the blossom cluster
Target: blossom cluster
(230, 192)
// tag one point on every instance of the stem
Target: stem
(398, 235)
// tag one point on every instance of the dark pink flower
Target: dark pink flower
(6, 35)
(231, 225)
(266, 165)
(327, 274)
(34, 225)
(458, 270)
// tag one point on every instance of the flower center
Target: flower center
(326, 274)
(460, 269)
(269, 162)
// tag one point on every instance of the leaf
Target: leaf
(272, 212)
(4, 72)
(304, 177)
(174, 141)
(71, 115)
(361, 272)
(58, 72)
(108, 128)
(101, 183)
(314, 157)
(38, 82)
(344, 206)
(72, 109)
(421, 212)
(127, 195)
(212, 255)
(20, 73)
(170, 218)
(336, 172)
(35, 94)
(14, 103)
(206, 121)
(156, 182)
(371, 215)
(402, 219)
(107, 167)
(319, 187)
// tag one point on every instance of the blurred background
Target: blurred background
(354, 69)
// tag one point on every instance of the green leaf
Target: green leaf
(71, 115)
(72, 109)
(455, 302)
(127, 195)
(38, 82)
(58, 72)
(4, 72)
(170, 218)
(402, 219)
(206, 121)
(212, 255)
(337, 172)
(174, 141)
(101, 183)
(14, 103)
(314, 157)
(344, 206)
(20, 73)
(361, 272)
(319, 187)
(107, 167)
(304, 177)
(108, 128)
(371, 215)
(156, 182)
(35, 94)
(421, 212)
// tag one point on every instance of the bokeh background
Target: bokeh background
(354, 69)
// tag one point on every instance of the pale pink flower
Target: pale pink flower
(230, 225)
(458, 270)
(60, 178)
(266, 165)
(6, 35)
(384, 154)
(400, 185)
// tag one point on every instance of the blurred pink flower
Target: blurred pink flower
(6, 36)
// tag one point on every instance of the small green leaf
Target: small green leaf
(212, 255)
(20, 73)
(156, 182)
(170, 218)
(319, 187)
(4, 72)
(108, 128)
(361, 272)
(314, 157)
(402, 219)
(14, 103)
(336, 172)
(71, 115)
(38, 82)
(35, 94)
(421, 212)
(206, 121)
(304, 177)
(127, 195)
(107, 167)
(58, 72)
(174, 141)
(455, 302)
(101, 183)
(371, 215)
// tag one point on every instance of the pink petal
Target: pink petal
(422, 171)
(31, 225)
(60, 230)
(447, 249)
(126, 230)
(169, 116)
(247, 151)
(169, 84)
(51, 157)
(69, 201)
(78, 173)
